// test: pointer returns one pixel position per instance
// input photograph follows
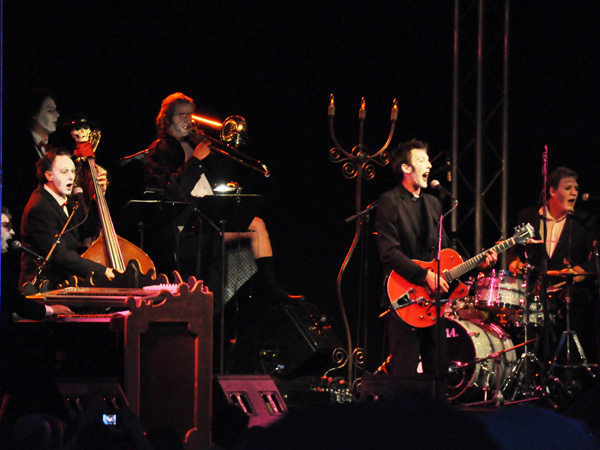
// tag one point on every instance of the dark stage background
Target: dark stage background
(276, 63)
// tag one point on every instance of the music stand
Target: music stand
(223, 212)
(144, 211)
(233, 213)
(236, 210)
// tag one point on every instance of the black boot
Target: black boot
(268, 285)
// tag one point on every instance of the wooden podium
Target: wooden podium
(168, 362)
(165, 337)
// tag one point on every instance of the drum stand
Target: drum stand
(565, 340)
(520, 383)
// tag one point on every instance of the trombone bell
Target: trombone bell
(234, 131)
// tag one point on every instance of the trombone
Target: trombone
(233, 133)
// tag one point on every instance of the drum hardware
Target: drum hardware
(521, 381)
(568, 337)
(520, 384)
(463, 309)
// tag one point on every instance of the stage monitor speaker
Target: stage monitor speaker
(292, 338)
(78, 395)
(380, 387)
(256, 395)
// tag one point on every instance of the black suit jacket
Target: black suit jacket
(574, 245)
(396, 233)
(167, 169)
(18, 173)
(42, 221)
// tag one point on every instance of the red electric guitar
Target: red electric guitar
(416, 304)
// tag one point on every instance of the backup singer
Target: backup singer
(25, 148)
(570, 236)
(44, 218)
(407, 228)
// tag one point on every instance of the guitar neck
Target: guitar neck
(470, 264)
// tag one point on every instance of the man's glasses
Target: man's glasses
(182, 115)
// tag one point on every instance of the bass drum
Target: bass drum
(469, 341)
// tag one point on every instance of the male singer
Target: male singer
(407, 228)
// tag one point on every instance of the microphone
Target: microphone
(141, 156)
(436, 186)
(448, 168)
(16, 246)
(590, 198)
(80, 199)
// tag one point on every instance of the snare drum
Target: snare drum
(469, 341)
(500, 292)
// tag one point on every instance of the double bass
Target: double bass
(108, 249)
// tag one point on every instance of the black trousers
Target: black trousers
(408, 343)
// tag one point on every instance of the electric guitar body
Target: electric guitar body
(416, 304)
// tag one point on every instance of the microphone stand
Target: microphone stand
(33, 287)
(544, 260)
(439, 327)
(359, 164)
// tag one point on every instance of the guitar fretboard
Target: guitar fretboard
(470, 264)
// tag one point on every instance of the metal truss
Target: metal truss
(480, 123)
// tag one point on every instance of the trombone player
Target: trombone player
(181, 164)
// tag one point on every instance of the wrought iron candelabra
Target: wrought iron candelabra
(358, 164)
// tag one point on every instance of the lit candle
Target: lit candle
(363, 111)
(395, 110)
(331, 111)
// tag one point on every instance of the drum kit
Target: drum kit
(486, 330)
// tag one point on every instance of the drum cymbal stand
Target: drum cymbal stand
(520, 385)
(567, 338)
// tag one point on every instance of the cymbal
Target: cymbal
(530, 241)
(558, 273)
